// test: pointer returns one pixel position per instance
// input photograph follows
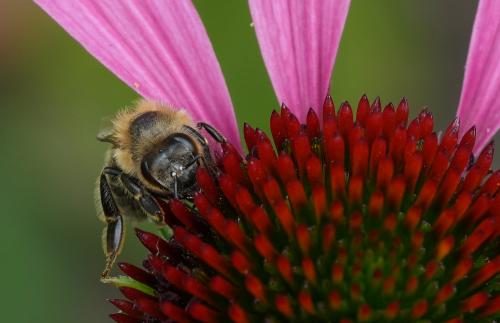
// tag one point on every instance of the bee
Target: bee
(154, 154)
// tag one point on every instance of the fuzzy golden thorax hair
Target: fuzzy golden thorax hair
(136, 131)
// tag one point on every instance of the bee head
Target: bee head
(171, 162)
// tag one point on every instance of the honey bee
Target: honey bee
(154, 154)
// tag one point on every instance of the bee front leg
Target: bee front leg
(145, 200)
(202, 140)
(113, 234)
(214, 133)
(207, 157)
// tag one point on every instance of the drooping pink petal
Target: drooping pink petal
(160, 48)
(299, 41)
(480, 100)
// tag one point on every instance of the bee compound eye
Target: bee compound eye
(173, 157)
(146, 173)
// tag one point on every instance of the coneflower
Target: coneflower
(335, 216)
(372, 219)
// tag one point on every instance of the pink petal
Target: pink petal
(299, 40)
(479, 103)
(160, 48)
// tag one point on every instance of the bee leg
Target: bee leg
(194, 161)
(112, 171)
(202, 140)
(212, 132)
(146, 201)
(207, 157)
(140, 194)
(471, 161)
(113, 233)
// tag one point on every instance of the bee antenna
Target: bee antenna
(176, 193)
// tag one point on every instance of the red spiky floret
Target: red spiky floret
(365, 219)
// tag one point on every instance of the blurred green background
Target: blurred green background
(54, 96)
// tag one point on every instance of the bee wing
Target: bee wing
(106, 132)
